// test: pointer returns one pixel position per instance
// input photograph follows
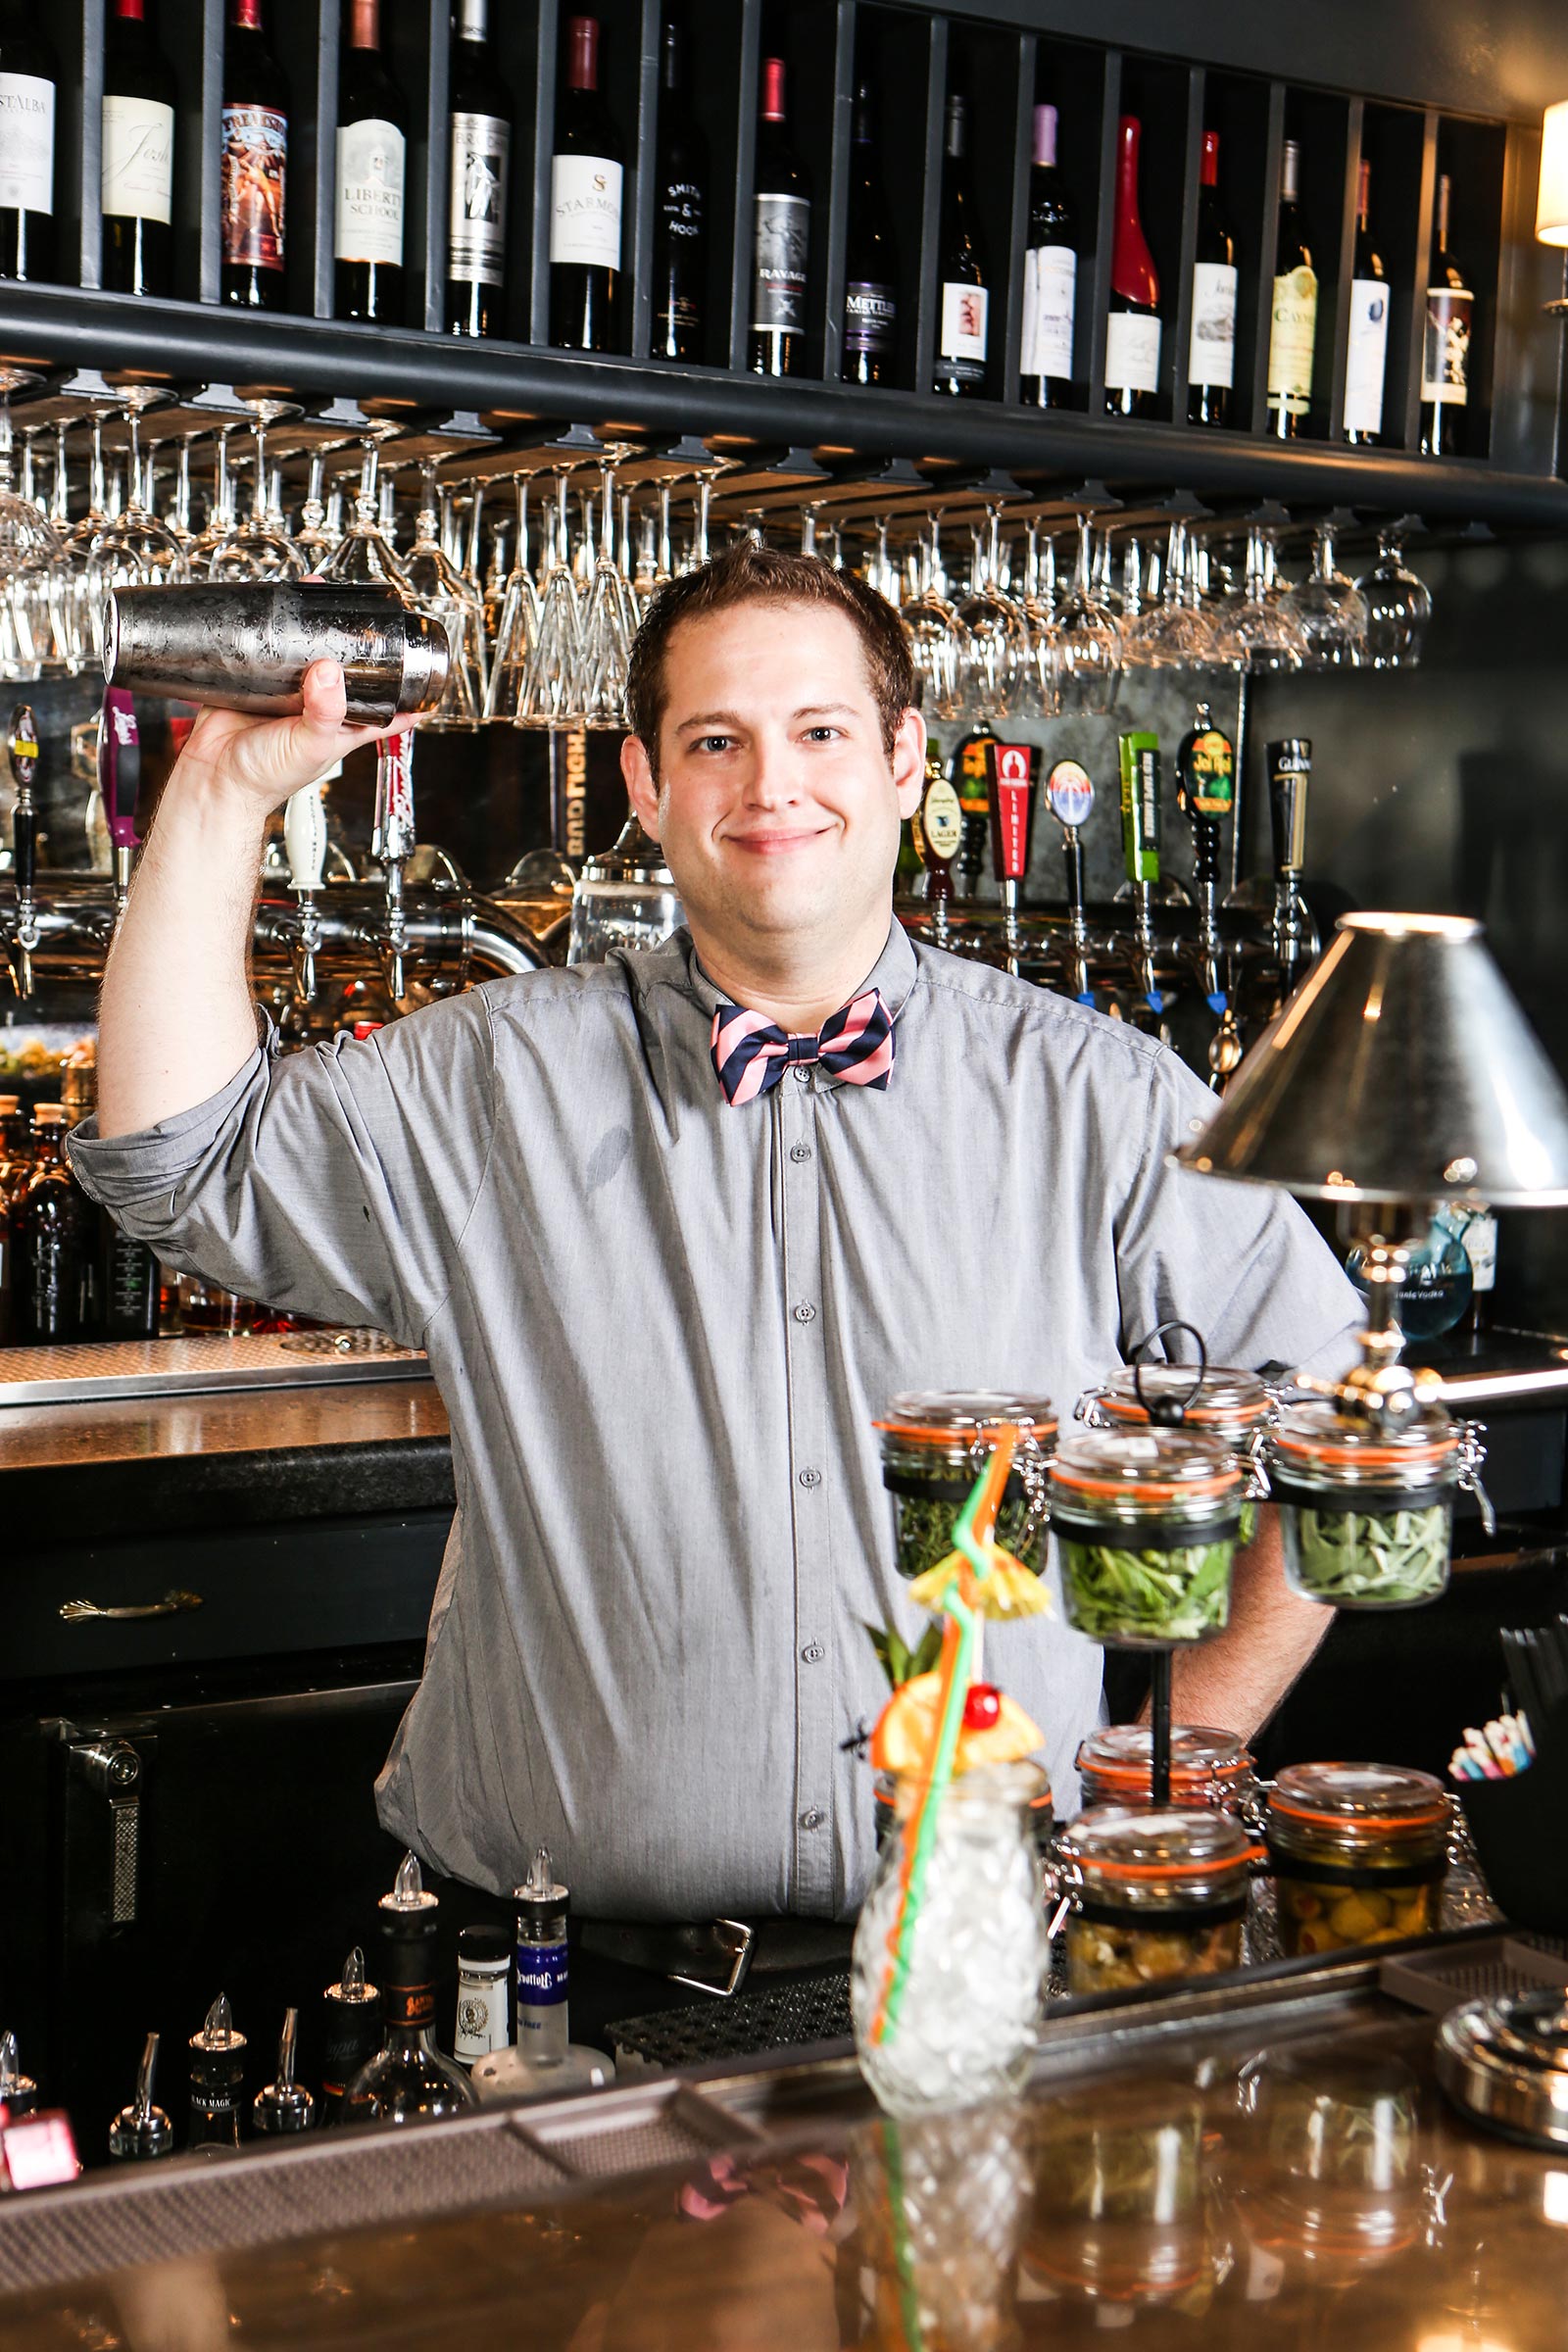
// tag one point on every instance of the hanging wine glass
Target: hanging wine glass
(994, 651)
(364, 558)
(610, 622)
(935, 633)
(1039, 607)
(440, 590)
(1171, 634)
(1399, 606)
(519, 625)
(257, 548)
(1086, 652)
(1329, 610)
(550, 682)
(1252, 630)
(26, 539)
(135, 549)
(314, 541)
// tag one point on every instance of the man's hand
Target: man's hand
(265, 760)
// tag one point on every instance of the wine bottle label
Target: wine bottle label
(477, 237)
(371, 157)
(965, 316)
(255, 170)
(138, 159)
(26, 143)
(1132, 351)
(1211, 354)
(1050, 293)
(1367, 358)
(1292, 335)
(941, 822)
(1446, 346)
(779, 262)
(870, 321)
(585, 211)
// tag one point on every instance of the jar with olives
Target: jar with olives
(1366, 1508)
(1157, 1895)
(935, 1443)
(1147, 1524)
(1235, 1407)
(1116, 1766)
(1359, 1853)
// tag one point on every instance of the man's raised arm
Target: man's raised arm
(177, 1020)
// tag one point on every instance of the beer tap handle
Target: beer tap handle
(22, 749)
(938, 834)
(1071, 796)
(1140, 839)
(1205, 793)
(1289, 770)
(119, 783)
(392, 843)
(304, 847)
(1011, 790)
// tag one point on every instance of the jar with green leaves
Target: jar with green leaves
(1146, 1524)
(1366, 1507)
(1218, 1402)
(935, 1443)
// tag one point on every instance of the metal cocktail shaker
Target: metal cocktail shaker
(245, 645)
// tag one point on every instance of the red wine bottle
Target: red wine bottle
(1445, 344)
(138, 155)
(1293, 326)
(372, 164)
(871, 292)
(479, 131)
(1050, 276)
(254, 164)
(1133, 330)
(964, 317)
(782, 235)
(680, 208)
(1367, 352)
(1211, 353)
(586, 174)
(29, 82)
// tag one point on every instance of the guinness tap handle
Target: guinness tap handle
(1290, 771)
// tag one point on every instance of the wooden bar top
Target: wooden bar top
(46, 1437)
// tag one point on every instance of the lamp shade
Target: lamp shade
(1551, 202)
(1402, 1069)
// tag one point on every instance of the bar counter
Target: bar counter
(1197, 2170)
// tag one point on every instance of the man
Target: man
(664, 1320)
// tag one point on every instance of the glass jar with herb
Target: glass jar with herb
(935, 1443)
(1235, 1407)
(1359, 1853)
(1157, 1894)
(1147, 1524)
(1207, 1767)
(1366, 1508)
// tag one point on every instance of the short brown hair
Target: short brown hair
(751, 574)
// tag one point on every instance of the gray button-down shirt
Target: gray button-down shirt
(664, 1327)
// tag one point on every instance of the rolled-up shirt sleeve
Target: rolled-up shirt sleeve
(336, 1182)
(1241, 1262)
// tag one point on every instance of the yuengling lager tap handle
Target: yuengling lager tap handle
(938, 834)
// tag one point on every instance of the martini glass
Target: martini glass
(257, 548)
(364, 557)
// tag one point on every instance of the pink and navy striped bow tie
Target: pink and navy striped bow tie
(751, 1054)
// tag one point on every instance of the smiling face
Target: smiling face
(776, 804)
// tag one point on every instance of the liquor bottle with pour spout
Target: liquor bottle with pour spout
(284, 2107)
(217, 2070)
(141, 2132)
(545, 2061)
(407, 2080)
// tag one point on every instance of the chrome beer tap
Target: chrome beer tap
(22, 749)
(392, 845)
(1071, 796)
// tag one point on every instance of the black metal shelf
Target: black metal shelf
(1014, 55)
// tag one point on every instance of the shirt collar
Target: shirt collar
(894, 973)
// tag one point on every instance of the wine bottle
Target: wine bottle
(371, 161)
(782, 238)
(1050, 276)
(1292, 322)
(138, 155)
(1133, 330)
(680, 208)
(1445, 344)
(870, 296)
(960, 363)
(1211, 352)
(29, 77)
(585, 191)
(479, 130)
(254, 164)
(1367, 354)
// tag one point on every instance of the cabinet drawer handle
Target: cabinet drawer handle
(171, 1605)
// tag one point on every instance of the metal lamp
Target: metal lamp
(1402, 1073)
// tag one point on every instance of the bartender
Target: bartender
(674, 1229)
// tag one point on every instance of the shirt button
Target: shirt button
(812, 1817)
(810, 1478)
(806, 1313)
(799, 1151)
(812, 1652)
(803, 1073)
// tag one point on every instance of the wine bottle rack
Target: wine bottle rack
(1006, 60)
